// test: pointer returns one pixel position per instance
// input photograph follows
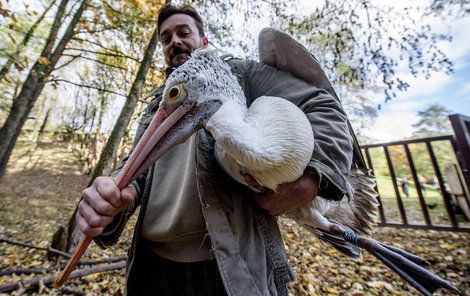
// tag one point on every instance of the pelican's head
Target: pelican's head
(193, 93)
(203, 78)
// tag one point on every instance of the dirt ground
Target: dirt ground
(41, 188)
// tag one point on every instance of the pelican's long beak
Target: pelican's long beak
(152, 135)
(169, 127)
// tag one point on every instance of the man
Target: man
(198, 231)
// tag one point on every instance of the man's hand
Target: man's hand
(289, 196)
(101, 202)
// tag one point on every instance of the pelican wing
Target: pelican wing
(284, 53)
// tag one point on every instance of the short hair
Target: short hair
(168, 10)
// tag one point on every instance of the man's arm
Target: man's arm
(110, 234)
(332, 155)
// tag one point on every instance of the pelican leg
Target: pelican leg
(409, 267)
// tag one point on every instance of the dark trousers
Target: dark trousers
(160, 276)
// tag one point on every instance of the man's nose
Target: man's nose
(176, 40)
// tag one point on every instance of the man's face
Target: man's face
(179, 37)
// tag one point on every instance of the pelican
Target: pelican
(272, 141)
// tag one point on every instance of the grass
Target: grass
(414, 213)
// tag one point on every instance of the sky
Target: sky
(396, 117)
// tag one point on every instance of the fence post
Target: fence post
(461, 126)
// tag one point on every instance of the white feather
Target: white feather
(272, 140)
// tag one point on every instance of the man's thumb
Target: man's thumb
(128, 195)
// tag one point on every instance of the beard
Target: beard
(178, 55)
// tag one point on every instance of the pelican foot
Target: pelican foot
(409, 267)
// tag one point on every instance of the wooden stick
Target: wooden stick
(103, 260)
(81, 248)
(49, 280)
(26, 271)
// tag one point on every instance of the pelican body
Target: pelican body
(273, 142)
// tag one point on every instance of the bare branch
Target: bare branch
(26, 271)
(93, 60)
(87, 86)
(118, 55)
(48, 281)
(68, 290)
(103, 260)
(98, 44)
(277, 2)
(73, 58)
(49, 249)
(96, 31)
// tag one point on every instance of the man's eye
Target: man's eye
(164, 39)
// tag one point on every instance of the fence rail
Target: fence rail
(447, 199)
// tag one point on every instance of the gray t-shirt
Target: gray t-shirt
(173, 220)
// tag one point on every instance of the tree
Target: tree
(12, 59)
(25, 34)
(357, 44)
(36, 80)
(108, 154)
(433, 121)
(458, 8)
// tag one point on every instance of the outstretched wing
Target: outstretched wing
(284, 53)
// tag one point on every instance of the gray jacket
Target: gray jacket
(246, 241)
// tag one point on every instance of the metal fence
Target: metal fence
(456, 219)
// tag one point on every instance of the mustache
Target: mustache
(176, 50)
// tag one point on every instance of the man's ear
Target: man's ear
(205, 42)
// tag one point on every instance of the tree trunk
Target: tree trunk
(43, 125)
(104, 165)
(35, 83)
(24, 42)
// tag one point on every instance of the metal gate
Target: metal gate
(447, 200)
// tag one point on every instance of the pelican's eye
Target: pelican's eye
(176, 93)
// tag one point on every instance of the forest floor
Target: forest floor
(39, 192)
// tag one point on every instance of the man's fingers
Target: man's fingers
(108, 189)
(128, 195)
(100, 205)
(92, 217)
(86, 228)
(267, 201)
(101, 202)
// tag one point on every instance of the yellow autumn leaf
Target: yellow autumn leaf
(448, 246)
(311, 289)
(44, 61)
(3, 281)
(380, 285)
(331, 251)
(331, 290)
